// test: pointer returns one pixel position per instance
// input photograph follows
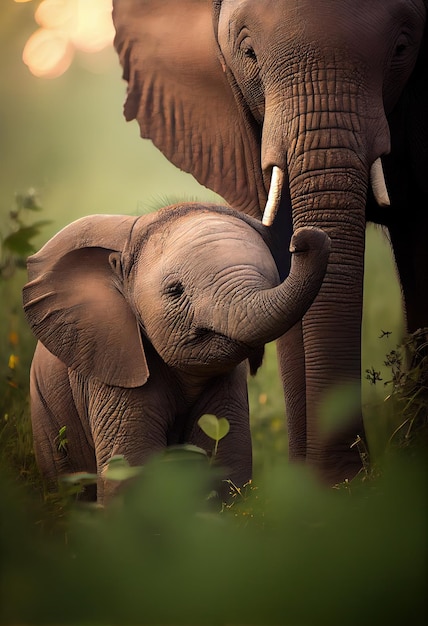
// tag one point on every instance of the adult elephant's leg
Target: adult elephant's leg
(291, 360)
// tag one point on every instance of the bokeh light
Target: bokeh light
(67, 26)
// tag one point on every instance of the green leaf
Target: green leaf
(119, 469)
(213, 427)
(79, 478)
(185, 451)
(19, 241)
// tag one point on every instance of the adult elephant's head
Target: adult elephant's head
(230, 89)
(293, 104)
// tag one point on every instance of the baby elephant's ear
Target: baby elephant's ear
(75, 307)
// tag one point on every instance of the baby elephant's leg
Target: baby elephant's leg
(227, 397)
(129, 422)
(58, 450)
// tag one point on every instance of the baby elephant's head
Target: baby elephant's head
(199, 282)
(206, 288)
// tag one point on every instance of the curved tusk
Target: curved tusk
(274, 197)
(377, 180)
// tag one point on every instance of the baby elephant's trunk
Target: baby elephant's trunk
(272, 312)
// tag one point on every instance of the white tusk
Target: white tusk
(274, 196)
(377, 180)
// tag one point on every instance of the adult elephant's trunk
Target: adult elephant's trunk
(269, 313)
(331, 330)
(329, 160)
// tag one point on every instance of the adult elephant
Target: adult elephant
(298, 104)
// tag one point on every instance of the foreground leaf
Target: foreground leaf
(214, 427)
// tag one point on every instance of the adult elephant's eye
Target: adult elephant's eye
(247, 49)
(174, 289)
(401, 46)
(247, 72)
(245, 45)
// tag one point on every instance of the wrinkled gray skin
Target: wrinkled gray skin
(145, 324)
(320, 89)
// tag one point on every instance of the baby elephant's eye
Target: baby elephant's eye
(174, 289)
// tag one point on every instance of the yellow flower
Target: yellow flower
(13, 361)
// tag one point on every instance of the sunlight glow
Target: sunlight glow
(66, 26)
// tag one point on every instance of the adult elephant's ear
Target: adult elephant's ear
(74, 305)
(181, 97)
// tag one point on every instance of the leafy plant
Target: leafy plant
(373, 376)
(17, 243)
(408, 365)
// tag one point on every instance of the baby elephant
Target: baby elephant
(146, 323)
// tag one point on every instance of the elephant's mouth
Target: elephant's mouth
(214, 351)
(377, 181)
(221, 346)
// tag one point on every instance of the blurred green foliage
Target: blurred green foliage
(290, 553)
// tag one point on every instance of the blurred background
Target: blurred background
(62, 131)
(63, 136)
